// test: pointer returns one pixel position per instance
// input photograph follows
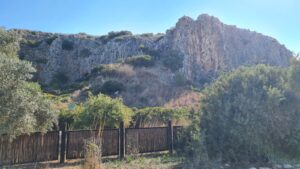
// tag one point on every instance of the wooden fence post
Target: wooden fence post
(63, 142)
(170, 137)
(122, 140)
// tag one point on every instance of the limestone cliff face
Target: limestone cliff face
(76, 55)
(209, 46)
(206, 44)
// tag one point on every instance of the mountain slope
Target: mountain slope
(191, 53)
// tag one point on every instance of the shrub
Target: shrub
(103, 111)
(33, 43)
(160, 115)
(113, 35)
(67, 45)
(111, 87)
(105, 70)
(247, 115)
(172, 60)
(92, 153)
(50, 40)
(140, 61)
(114, 70)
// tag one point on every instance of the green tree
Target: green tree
(247, 115)
(103, 111)
(23, 106)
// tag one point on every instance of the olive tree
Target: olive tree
(23, 106)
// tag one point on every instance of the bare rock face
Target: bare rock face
(76, 55)
(206, 45)
(209, 46)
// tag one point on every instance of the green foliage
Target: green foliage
(112, 35)
(294, 78)
(189, 141)
(50, 40)
(113, 70)
(153, 115)
(105, 70)
(67, 45)
(71, 116)
(23, 106)
(140, 61)
(250, 114)
(33, 43)
(8, 42)
(103, 111)
(115, 35)
(172, 60)
(111, 87)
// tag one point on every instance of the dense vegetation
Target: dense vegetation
(23, 106)
(103, 111)
(251, 114)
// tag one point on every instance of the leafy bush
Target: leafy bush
(114, 70)
(50, 40)
(103, 111)
(140, 61)
(33, 43)
(105, 70)
(67, 45)
(172, 60)
(111, 87)
(250, 114)
(114, 35)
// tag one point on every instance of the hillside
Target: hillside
(147, 69)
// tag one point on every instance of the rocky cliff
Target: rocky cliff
(191, 53)
(205, 44)
(208, 45)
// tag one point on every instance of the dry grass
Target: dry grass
(186, 99)
(161, 161)
(92, 159)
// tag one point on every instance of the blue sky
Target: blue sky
(277, 18)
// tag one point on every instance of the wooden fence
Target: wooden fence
(145, 140)
(75, 142)
(39, 147)
(29, 148)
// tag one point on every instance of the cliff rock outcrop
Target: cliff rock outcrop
(206, 46)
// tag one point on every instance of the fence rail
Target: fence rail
(39, 147)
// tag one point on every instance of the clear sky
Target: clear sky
(277, 18)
